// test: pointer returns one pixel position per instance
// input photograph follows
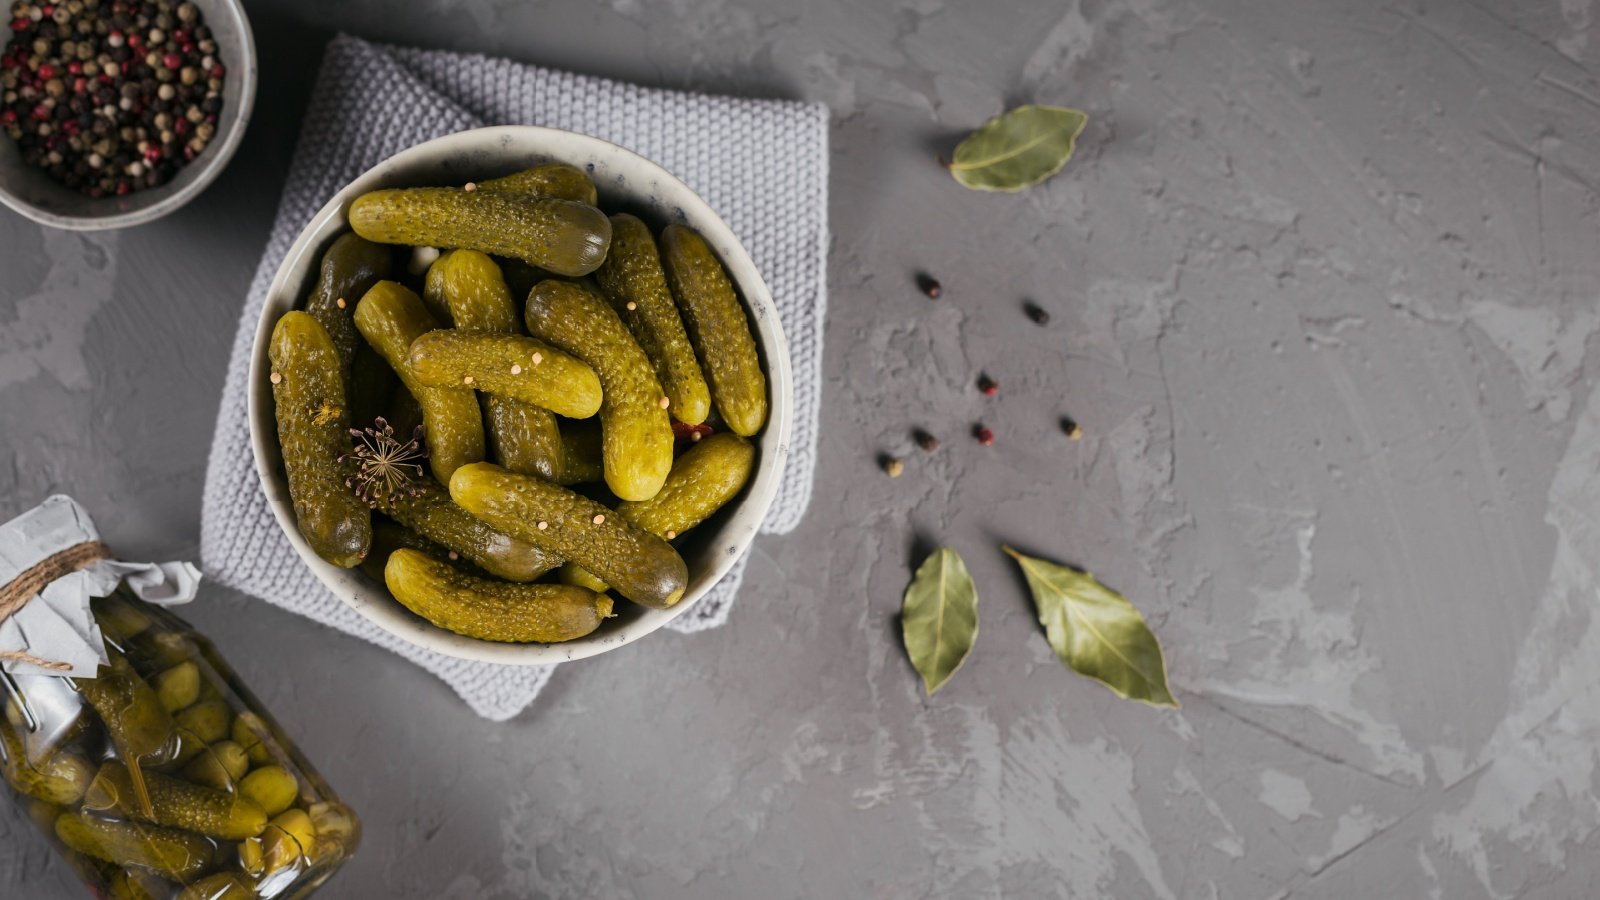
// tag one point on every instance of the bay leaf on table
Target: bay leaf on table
(1096, 631)
(939, 617)
(1018, 149)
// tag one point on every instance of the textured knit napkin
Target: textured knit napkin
(761, 164)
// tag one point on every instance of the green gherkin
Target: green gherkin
(557, 180)
(140, 728)
(177, 803)
(635, 429)
(639, 565)
(636, 286)
(717, 327)
(561, 236)
(432, 514)
(703, 480)
(492, 610)
(171, 852)
(390, 317)
(467, 288)
(525, 438)
(313, 433)
(350, 267)
(507, 365)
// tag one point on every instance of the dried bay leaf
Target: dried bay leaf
(1097, 632)
(939, 617)
(1018, 149)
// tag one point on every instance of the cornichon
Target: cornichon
(563, 236)
(703, 480)
(525, 438)
(467, 289)
(313, 432)
(639, 565)
(507, 365)
(717, 327)
(221, 886)
(350, 267)
(390, 317)
(557, 180)
(176, 803)
(635, 429)
(170, 852)
(432, 514)
(492, 610)
(636, 286)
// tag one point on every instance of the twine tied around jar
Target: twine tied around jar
(19, 590)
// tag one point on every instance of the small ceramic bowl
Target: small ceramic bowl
(33, 193)
(626, 182)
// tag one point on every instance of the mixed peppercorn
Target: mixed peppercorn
(110, 96)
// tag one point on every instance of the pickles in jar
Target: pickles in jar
(635, 430)
(717, 327)
(492, 610)
(176, 803)
(313, 434)
(390, 317)
(560, 236)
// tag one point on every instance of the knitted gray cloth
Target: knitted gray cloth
(761, 164)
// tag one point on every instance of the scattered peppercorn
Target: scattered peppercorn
(893, 467)
(100, 94)
(929, 285)
(983, 434)
(1073, 429)
(926, 441)
(1037, 313)
(988, 385)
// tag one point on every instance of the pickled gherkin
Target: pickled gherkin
(59, 777)
(557, 180)
(390, 317)
(525, 438)
(313, 433)
(466, 288)
(635, 429)
(637, 564)
(492, 610)
(507, 365)
(177, 803)
(350, 267)
(221, 886)
(717, 327)
(703, 480)
(140, 728)
(636, 286)
(432, 514)
(561, 236)
(170, 852)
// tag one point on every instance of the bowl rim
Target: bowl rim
(373, 602)
(211, 163)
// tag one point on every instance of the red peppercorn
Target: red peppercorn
(47, 71)
(984, 435)
(988, 385)
(217, 71)
(41, 113)
(79, 85)
(123, 187)
(152, 153)
(8, 117)
(75, 67)
(180, 127)
(172, 60)
(71, 128)
(21, 23)
(49, 9)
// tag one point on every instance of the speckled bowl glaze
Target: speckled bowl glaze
(34, 194)
(627, 182)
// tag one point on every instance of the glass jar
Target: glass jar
(163, 777)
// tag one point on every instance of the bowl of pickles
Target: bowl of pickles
(519, 395)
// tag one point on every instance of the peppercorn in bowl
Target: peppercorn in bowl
(519, 395)
(116, 112)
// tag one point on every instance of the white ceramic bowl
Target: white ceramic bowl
(627, 182)
(33, 193)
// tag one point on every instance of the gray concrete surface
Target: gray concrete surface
(1323, 282)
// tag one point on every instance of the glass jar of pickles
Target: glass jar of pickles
(159, 776)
